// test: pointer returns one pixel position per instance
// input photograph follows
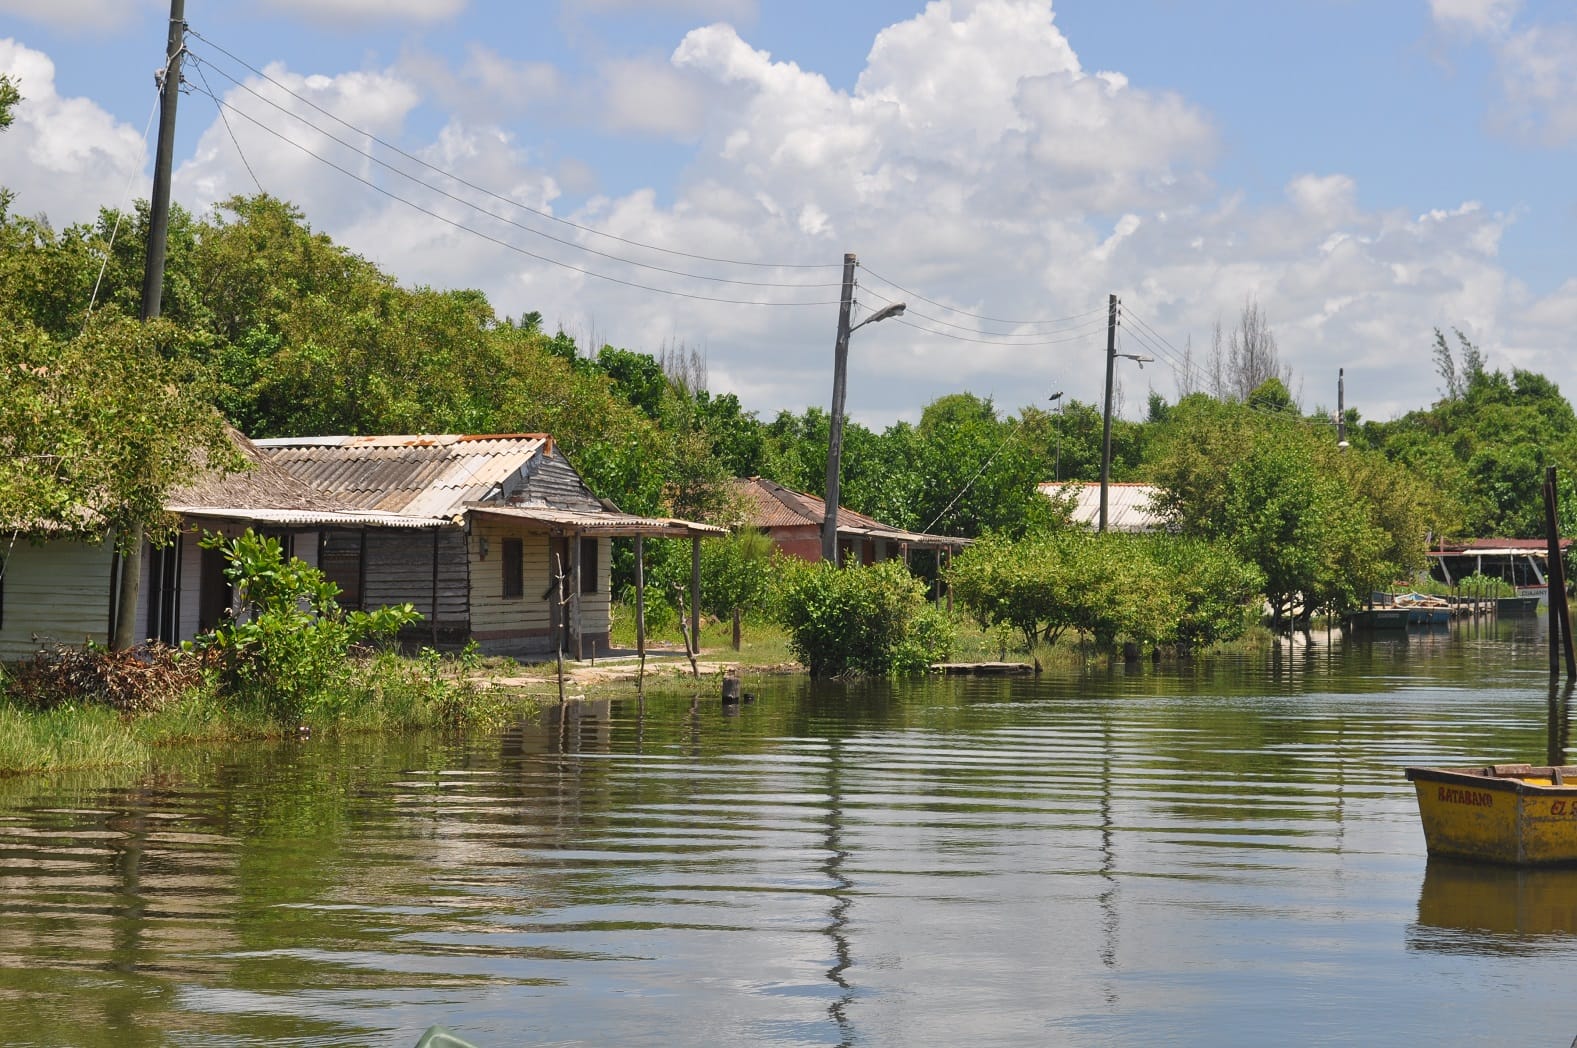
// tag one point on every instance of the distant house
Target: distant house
(1128, 506)
(1524, 563)
(499, 524)
(475, 531)
(793, 520)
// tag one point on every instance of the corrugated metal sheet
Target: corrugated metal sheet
(421, 475)
(1127, 505)
(312, 518)
(769, 504)
(611, 524)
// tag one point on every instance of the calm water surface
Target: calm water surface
(1226, 854)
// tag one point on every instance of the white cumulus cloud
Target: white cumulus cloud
(64, 157)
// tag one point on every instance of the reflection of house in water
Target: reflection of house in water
(1521, 562)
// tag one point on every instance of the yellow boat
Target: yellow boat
(1515, 814)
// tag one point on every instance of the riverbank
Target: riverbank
(391, 693)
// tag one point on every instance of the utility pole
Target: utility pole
(1106, 425)
(1341, 408)
(840, 378)
(153, 291)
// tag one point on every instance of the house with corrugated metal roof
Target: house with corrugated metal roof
(510, 547)
(793, 520)
(1129, 507)
(495, 539)
(59, 591)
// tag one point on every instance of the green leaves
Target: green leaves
(285, 645)
(1110, 587)
(860, 620)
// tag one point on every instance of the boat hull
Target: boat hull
(1513, 814)
(1376, 619)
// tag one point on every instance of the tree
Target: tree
(860, 620)
(94, 432)
(9, 97)
(1249, 357)
(1323, 526)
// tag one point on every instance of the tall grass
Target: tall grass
(65, 737)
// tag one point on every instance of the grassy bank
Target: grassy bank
(44, 730)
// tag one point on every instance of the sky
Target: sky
(689, 175)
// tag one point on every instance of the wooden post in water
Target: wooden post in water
(1555, 579)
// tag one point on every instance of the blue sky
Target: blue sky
(1363, 172)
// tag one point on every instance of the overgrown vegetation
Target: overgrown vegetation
(860, 620)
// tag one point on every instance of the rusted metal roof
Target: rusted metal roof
(423, 475)
(769, 504)
(437, 477)
(1128, 505)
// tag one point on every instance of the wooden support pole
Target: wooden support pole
(640, 604)
(574, 595)
(1552, 545)
(695, 592)
(1557, 573)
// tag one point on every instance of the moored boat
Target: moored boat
(1515, 814)
(1376, 619)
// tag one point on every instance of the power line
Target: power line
(977, 316)
(495, 240)
(480, 189)
(994, 342)
(497, 217)
(1088, 325)
(233, 140)
(120, 213)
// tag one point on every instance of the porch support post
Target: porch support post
(640, 597)
(695, 591)
(574, 593)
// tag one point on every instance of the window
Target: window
(588, 565)
(514, 569)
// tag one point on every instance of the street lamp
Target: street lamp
(840, 368)
(1106, 425)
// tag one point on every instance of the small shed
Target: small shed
(793, 520)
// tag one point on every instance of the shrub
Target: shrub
(862, 620)
(286, 647)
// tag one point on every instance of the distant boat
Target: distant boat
(1516, 605)
(1514, 814)
(1366, 619)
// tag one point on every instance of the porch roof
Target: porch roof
(614, 525)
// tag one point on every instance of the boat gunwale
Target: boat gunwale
(1509, 778)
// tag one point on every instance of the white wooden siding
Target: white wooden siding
(58, 592)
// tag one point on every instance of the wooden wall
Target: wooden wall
(59, 591)
(522, 626)
(400, 570)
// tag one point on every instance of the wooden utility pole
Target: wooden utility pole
(1341, 408)
(152, 294)
(840, 378)
(1106, 425)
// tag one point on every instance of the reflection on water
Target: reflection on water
(1476, 908)
(1207, 854)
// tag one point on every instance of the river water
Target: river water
(1222, 854)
